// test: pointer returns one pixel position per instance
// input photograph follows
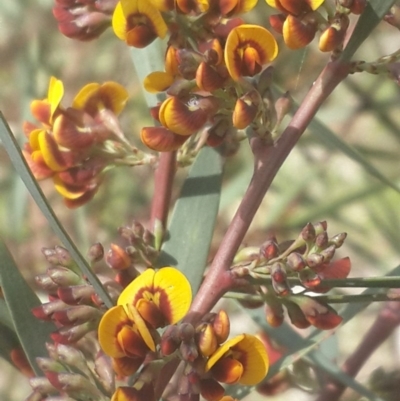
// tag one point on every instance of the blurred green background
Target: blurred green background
(317, 182)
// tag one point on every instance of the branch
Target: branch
(163, 179)
(387, 320)
(268, 160)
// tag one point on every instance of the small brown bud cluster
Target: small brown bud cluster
(194, 345)
(73, 304)
(309, 258)
(69, 373)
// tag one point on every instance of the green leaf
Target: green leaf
(148, 60)
(193, 220)
(20, 299)
(8, 341)
(19, 163)
(331, 141)
(369, 19)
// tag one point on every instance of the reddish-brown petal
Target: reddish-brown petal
(161, 139)
(296, 33)
(207, 78)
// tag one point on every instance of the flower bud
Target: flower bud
(308, 232)
(45, 310)
(79, 294)
(244, 112)
(296, 315)
(321, 240)
(274, 312)
(278, 276)
(117, 258)
(246, 254)
(309, 278)
(76, 315)
(269, 249)
(170, 340)
(338, 239)
(42, 385)
(221, 326)
(296, 262)
(314, 260)
(69, 335)
(206, 339)
(211, 390)
(188, 351)
(104, 372)
(63, 276)
(96, 253)
(328, 253)
(320, 315)
(46, 283)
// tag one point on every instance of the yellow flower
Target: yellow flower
(242, 359)
(247, 49)
(161, 297)
(138, 22)
(295, 7)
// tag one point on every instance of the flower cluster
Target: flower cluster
(306, 262)
(209, 53)
(300, 20)
(128, 333)
(142, 335)
(75, 145)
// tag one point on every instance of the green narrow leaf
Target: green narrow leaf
(19, 163)
(369, 19)
(148, 60)
(20, 299)
(8, 341)
(193, 220)
(330, 140)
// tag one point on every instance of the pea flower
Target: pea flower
(242, 359)
(74, 145)
(247, 49)
(152, 300)
(138, 22)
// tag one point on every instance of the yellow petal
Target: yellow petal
(84, 94)
(158, 81)
(255, 361)
(119, 22)
(133, 292)
(142, 327)
(67, 191)
(222, 350)
(176, 293)
(109, 326)
(54, 95)
(114, 96)
(52, 156)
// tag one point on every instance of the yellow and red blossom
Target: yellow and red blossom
(242, 359)
(186, 116)
(63, 147)
(162, 297)
(248, 48)
(138, 22)
(298, 33)
(161, 139)
(295, 7)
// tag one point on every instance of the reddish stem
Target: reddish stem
(163, 179)
(268, 160)
(387, 320)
